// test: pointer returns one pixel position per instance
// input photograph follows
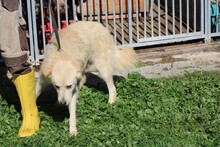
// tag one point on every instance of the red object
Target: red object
(47, 28)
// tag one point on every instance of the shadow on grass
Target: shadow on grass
(47, 101)
(93, 81)
(8, 90)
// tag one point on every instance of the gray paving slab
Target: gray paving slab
(178, 65)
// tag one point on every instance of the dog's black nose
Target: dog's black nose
(63, 102)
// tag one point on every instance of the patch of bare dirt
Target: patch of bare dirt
(177, 62)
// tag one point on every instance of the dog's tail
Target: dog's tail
(126, 59)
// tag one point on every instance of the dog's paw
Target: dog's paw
(111, 101)
(112, 98)
(73, 131)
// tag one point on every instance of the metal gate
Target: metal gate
(136, 23)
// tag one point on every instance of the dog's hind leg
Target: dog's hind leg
(108, 78)
(111, 89)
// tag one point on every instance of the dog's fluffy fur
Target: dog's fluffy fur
(86, 47)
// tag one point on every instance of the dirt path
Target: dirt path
(178, 60)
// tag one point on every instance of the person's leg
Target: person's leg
(25, 85)
(13, 49)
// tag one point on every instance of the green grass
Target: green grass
(166, 112)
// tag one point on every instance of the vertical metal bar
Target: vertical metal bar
(187, 15)
(202, 16)
(51, 27)
(90, 9)
(66, 13)
(31, 41)
(137, 20)
(82, 9)
(58, 13)
(159, 24)
(115, 35)
(20, 5)
(145, 20)
(207, 21)
(152, 18)
(174, 24)
(166, 17)
(34, 28)
(180, 15)
(130, 21)
(194, 15)
(98, 6)
(217, 19)
(42, 20)
(74, 11)
(122, 23)
(106, 14)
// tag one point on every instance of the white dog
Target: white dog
(86, 46)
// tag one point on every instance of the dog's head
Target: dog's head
(64, 73)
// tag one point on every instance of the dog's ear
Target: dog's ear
(46, 68)
(79, 67)
(50, 58)
(78, 64)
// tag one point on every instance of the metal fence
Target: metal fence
(132, 22)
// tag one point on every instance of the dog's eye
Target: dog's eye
(57, 87)
(68, 86)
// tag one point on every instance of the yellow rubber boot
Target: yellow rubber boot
(25, 85)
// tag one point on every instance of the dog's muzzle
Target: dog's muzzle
(63, 102)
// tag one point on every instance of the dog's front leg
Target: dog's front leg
(72, 111)
(39, 84)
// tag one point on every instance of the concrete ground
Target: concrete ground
(176, 60)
